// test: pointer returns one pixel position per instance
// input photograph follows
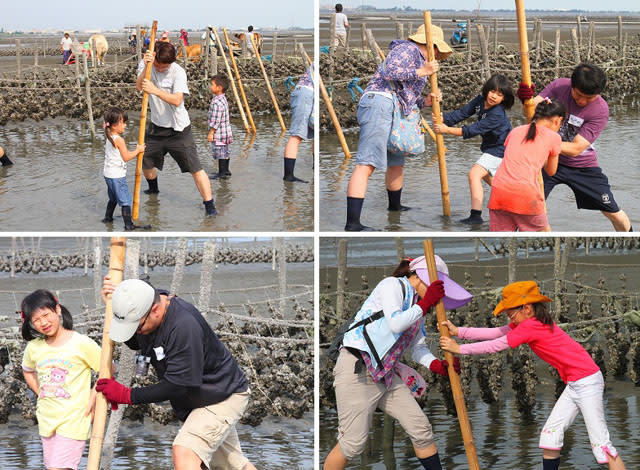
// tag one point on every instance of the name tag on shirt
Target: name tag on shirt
(575, 120)
(159, 352)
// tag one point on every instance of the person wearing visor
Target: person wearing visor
(206, 387)
(404, 70)
(368, 373)
(531, 323)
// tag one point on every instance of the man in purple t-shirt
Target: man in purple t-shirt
(587, 116)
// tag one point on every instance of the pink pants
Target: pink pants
(62, 452)
(505, 221)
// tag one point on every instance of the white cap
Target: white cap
(131, 300)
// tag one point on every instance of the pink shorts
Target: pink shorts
(62, 452)
(505, 221)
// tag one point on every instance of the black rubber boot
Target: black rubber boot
(220, 173)
(128, 221)
(153, 186)
(475, 218)
(225, 168)
(126, 216)
(289, 165)
(431, 463)
(210, 208)
(394, 201)
(354, 208)
(5, 160)
(550, 464)
(108, 214)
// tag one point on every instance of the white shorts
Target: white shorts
(584, 395)
(489, 163)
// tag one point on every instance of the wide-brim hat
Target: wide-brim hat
(455, 296)
(438, 39)
(131, 301)
(518, 294)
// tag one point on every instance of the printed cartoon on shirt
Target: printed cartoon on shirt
(52, 379)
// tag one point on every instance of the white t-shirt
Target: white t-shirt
(163, 114)
(66, 44)
(341, 23)
(114, 165)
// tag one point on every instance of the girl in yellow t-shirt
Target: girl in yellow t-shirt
(57, 366)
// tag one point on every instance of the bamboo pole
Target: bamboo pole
(529, 107)
(435, 106)
(576, 46)
(332, 112)
(87, 89)
(456, 388)
(116, 269)
(143, 124)
(266, 80)
(235, 69)
(557, 53)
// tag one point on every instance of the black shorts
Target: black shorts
(180, 145)
(589, 185)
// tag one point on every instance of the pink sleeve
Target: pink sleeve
(482, 333)
(484, 347)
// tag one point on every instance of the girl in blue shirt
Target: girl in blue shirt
(493, 125)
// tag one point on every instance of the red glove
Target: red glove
(114, 392)
(441, 367)
(434, 293)
(526, 92)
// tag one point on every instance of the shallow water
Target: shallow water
(277, 443)
(504, 439)
(56, 182)
(422, 183)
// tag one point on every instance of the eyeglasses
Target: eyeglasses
(512, 312)
(48, 315)
(146, 316)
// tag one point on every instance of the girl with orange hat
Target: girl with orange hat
(368, 372)
(532, 324)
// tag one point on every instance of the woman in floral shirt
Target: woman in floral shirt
(406, 66)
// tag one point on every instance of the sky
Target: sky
(612, 5)
(171, 14)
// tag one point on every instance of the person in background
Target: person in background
(342, 25)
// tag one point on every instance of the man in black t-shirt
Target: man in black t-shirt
(205, 385)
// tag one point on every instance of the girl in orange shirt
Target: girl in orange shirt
(517, 200)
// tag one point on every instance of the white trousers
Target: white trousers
(584, 395)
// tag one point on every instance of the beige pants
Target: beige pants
(211, 433)
(358, 396)
(340, 39)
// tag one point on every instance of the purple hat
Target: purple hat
(455, 296)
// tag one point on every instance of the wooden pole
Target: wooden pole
(184, 55)
(373, 45)
(399, 30)
(576, 46)
(620, 33)
(495, 35)
(19, 58)
(469, 40)
(207, 42)
(579, 23)
(484, 50)
(143, 124)
(332, 112)
(87, 88)
(456, 388)
(139, 41)
(116, 269)
(342, 279)
(435, 106)
(274, 50)
(557, 53)
(363, 31)
(266, 80)
(240, 86)
(35, 53)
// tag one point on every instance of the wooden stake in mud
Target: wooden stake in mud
(87, 87)
(266, 80)
(435, 106)
(143, 124)
(116, 268)
(456, 388)
(240, 86)
(332, 112)
(557, 53)
(19, 58)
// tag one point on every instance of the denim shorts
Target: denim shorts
(118, 191)
(220, 152)
(301, 109)
(375, 115)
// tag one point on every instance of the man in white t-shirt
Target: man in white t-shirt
(340, 39)
(169, 129)
(65, 47)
